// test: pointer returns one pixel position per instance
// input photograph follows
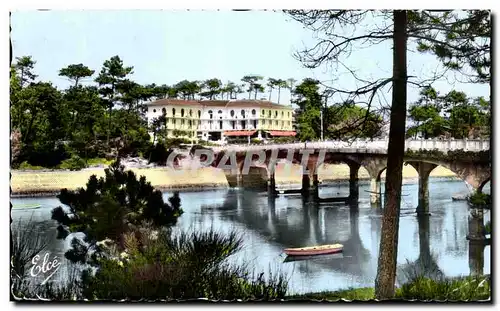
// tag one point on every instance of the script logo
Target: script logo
(46, 266)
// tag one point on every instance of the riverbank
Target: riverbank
(49, 183)
(468, 288)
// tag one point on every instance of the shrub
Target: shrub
(74, 163)
(159, 265)
(109, 207)
(26, 166)
(480, 200)
(158, 154)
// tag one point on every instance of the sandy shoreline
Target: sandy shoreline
(49, 183)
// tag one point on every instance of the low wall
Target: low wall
(50, 182)
(23, 182)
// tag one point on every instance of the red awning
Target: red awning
(282, 133)
(239, 133)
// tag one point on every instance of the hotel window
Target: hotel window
(289, 114)
(210, 123)
(243, 124)
(254, 124)
(276, 122)
(182, 113)
(243, 113)
(276, 114)
(263, 112)
(220, 111)
(282, 124)
(220, 125)
(253, 112)
(233, 124)
(269, 114)
(164, 111)
(199, 114)
(210, 113)
(182, 122)
(232, 113)
(190, 124)
(190, 112)
(154, 110)
(173, 112)
(282, 114)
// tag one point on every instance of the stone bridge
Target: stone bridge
(254, 165)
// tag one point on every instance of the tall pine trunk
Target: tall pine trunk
(388, 251)
(279, 93)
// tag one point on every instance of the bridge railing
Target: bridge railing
(379, 145)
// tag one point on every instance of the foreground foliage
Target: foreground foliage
(161, 265)
(108, 208)
(129, 250)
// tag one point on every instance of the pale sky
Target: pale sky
(165, 47)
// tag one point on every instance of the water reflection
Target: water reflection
(268, 225)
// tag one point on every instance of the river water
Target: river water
(437, 244)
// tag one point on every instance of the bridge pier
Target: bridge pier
(306, 184)
(476, 258)
(375, 191)
(353, 182)
(424, 169)
(476, 225)
(234, 178)
(375, 166)
(272, 183)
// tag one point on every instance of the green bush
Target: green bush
(480, 200)
(26, 166)
(74, 163)
(158, 153)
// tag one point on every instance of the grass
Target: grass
(471, 288)
(366, 293)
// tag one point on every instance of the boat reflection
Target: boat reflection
(318, 258)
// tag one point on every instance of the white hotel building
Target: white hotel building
(223, 120)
